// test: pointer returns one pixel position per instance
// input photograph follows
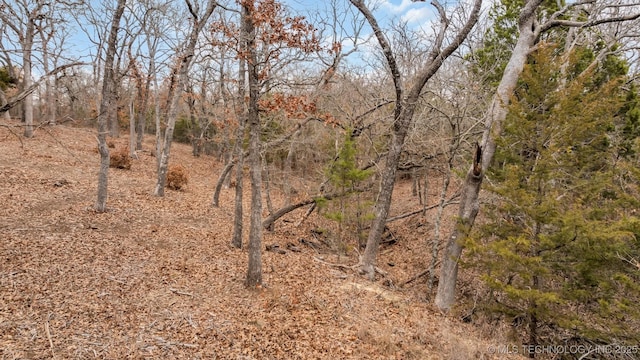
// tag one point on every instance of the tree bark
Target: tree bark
(469, 204)
(105, 104)
(254, 270)
(226, 170)
(3, 102)
(182, 73)
(26, 67)
(132, 128)
(238, 222)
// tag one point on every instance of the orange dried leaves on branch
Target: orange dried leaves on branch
(276, 31)
(295, 107)
(292, 106)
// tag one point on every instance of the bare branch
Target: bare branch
(16, 99)
(437, 61)
(386, 48)
(440, 37)
(585, 24)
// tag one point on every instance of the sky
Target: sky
(405, 10)
(415, 14)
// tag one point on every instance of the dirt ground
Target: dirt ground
(155, 278)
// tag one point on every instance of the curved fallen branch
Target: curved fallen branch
(268, 222)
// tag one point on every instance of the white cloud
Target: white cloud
(395, 8)
(420, 14)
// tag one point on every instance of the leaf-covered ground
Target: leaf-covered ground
(155, 278)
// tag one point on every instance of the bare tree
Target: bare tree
(236, 240)
(108, 96)
(406, 101)
(254, 269)
(181, 73)
(530, 28)
(23, 18)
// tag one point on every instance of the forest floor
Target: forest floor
(156, 278)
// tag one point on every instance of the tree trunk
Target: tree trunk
(238, 221)
(158, 123)
(105, 104)
(254, 270)
(27, 81)
(113, 118)
(132, 128)
(469, 204)
(403, 113)
(226, 170)
(182, 73)
(3, 102)
(142, 111)
(267, 187)
(435, 246)
(381, 210)
(48, 112)
(238, 211)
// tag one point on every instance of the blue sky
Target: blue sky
(405, 10)
(415, 14)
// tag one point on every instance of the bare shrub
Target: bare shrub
(120, 159)
(177, 177)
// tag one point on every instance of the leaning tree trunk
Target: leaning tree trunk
(381, 211)
(105, 104)
(406, 102)
(469, 204)
(182, 73)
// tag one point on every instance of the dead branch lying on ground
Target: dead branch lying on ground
(268, 222)
(419, 275)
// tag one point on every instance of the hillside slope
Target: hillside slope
(155, 278)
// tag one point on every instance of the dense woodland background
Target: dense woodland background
(479, 166)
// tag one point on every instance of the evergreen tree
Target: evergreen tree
(564, 205)
(344, 175)
(490, 59)
(6, 80)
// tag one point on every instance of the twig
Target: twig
(380, 271)
(60, 143)
(415, 212)
(306, 215)
(631, 260)
(416, 277)
(166, 343)
(340, 266)
(176, 291)
(112, 278)
(13, 133)
(46, 330)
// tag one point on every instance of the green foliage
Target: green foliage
(630, 127)
(182, 130)
(343, 173)
(349, 210)
(187, 129)
(490, 60)
(6, 80)
(564, 208)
